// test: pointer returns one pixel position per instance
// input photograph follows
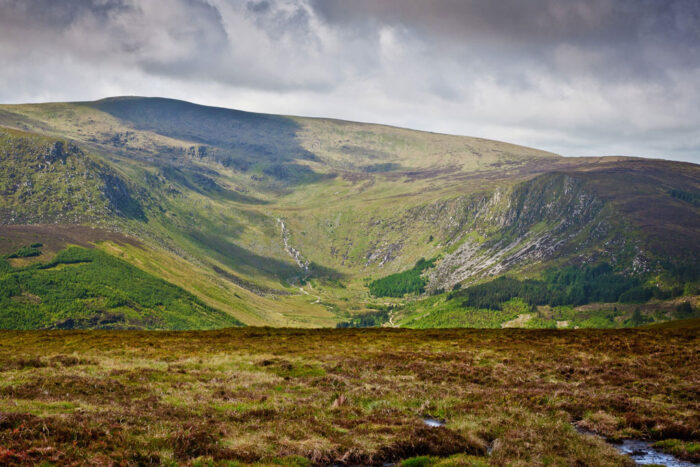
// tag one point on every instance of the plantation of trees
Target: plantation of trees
(88, 288)
(402, 283)
(687, 196)
(562, 286)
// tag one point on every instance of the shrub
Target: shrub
(26, 252)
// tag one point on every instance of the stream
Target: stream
(291, 251)
(641, 452)
(433, 422)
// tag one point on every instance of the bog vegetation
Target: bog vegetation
(346, 397)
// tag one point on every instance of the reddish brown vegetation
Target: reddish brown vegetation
(343, 396)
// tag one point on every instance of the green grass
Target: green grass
(555, 300)
(436, 312)
(358, 200)
(441, 312)
(88, 288)
(682, 449)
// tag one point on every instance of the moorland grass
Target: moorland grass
(353, 396)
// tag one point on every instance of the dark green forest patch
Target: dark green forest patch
(402, 283)
(85, 288)
(570, 285)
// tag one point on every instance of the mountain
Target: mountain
(291, 221)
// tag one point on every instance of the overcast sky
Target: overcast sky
(593, 77)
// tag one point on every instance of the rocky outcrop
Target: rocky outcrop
(44, 180)
(524, 225)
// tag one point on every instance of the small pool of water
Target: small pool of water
(433, 422)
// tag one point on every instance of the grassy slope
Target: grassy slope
(85, 288)
(440, 312)
(358, 200)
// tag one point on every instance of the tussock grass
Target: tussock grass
(355, 396)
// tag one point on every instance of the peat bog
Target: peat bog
(347, 396)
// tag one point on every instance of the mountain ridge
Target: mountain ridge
(210, 186)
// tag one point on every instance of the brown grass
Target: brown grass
(351, 397)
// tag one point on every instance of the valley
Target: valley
(288, 221)
(331, 233)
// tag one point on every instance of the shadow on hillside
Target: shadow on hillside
(205, 185)
(246, 262)
(243, 140)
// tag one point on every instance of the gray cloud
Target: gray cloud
(575, 77)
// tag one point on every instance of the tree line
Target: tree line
(571, 285)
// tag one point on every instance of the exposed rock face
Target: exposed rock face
(43, 180)
(524, 225)
(57, 152)
(552, 216)
(383, 254)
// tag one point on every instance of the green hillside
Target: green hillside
(292, 221)
(86, 288)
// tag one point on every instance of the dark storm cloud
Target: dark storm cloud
(621, 28)
(576, 77)
(532, 21)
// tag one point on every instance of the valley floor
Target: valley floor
(350, 396)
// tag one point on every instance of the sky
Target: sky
(579, 78)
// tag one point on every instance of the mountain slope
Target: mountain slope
(86, 288)
(44, 179)
(285, 220)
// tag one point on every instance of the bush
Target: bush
(638, 318)
(26, 252)
(683, 310)
(193, 441)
